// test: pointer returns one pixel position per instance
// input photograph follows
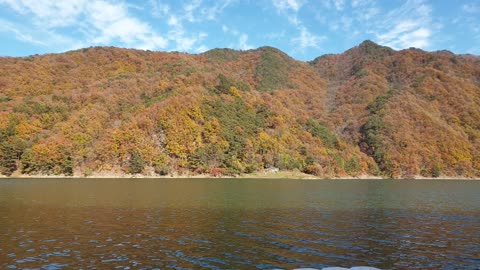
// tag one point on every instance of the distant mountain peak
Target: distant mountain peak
(369, 46)
(367, 43)
(220, 50)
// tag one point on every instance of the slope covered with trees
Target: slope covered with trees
(415, 113)
(370, 110)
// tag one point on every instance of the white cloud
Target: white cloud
(291, 9)
(359, 3)
(193, 11)
(400, 28)
(243, 42)
(40, 37)
(285, 5)
(49, 13)
(407, 26)
(368, 14)
(159, 9)
(418, 38)
(339, 4)
(198, 10)
(344, 23)
(334, 4)
(102, 22)
(183, 41)
(307, 39)
(174, 21)
(229, 30)
(110, 22)
(201, 49)
(211, 12)
(190, 8)
(336, 14)
(6, 26)
(406, 35)
(471, 8)
(293, 19)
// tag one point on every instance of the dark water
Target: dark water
(239, 224)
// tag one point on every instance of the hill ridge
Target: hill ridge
(369, 110)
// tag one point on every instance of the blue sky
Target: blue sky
(304, 29)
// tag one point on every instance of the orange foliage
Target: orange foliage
(404, 112)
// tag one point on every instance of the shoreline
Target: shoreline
(280, 175)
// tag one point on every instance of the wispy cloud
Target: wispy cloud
(285, 5)
(106, 22)
(159, 9)
(290, 9)
(468, 21)
(184, 41)
(201, 49)
(113, 22)
(102, 22)
(6, 26)
(49, 13)
(190, 8)
(40, 37)
(360, 3)
(307, 39)
(200, 10)
(243, 42)
(367, 14)
(343, 23)
(212, 11)
(334, 4)
(407, 26)
(304, 28)
(193, 11)
(471, 8)
(242, 38)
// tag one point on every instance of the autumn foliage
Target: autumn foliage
(370, 110)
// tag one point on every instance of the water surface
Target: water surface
(238, 224)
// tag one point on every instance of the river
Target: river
(238, 224)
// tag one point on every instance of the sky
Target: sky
(304, 29)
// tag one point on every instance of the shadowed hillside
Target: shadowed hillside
(370, 110)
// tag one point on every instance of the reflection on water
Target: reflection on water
(239, 224)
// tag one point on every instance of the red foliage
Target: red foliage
(216, 172)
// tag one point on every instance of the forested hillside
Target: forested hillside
(368, 111)
(415, 113)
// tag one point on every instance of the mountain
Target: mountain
(368, 111)
(414, 112)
